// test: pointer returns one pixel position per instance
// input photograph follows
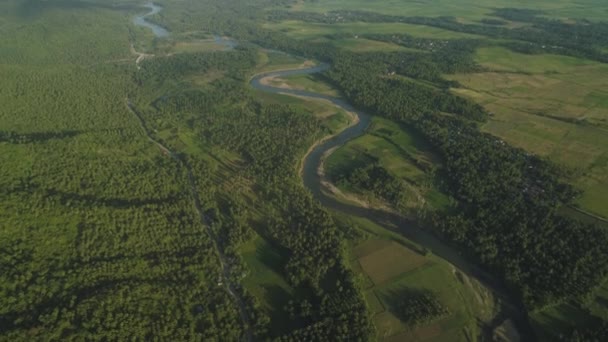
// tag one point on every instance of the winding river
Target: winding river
(313, 163)
(140, 20)
(312, 181)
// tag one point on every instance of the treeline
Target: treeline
(357, 76)
(234, 63)
(579, 39)
(373, 178)
(446, 56)
(39, 137)
(508, 198)
(269, 140)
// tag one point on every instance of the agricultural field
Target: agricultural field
(149, 190)
(553, 106)
(463, 9)
(387, 264)
(306, 30)
(197, 45)
(366, 45)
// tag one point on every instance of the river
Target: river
(140, 20)
(312, 181)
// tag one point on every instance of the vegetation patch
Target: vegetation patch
(389, 262)
(419, 307)
(550, 106)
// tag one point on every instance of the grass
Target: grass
(386, 263)
(398, 149)
(389, 261)
(303, 30)
(550, 105)
(312, 83)
(331, 118)
(202, 45)
(367, 45)
(269, 61)
(569, 212)
(265, 282)
(559, 319)
(463, 9)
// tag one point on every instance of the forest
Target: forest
(581, 39)
(498, 187)
(125, 206)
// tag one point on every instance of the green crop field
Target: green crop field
(388, 262)
(554, 106)
(366, 45)
(467, 9)
(390, 266)
(149, 191)
(304, 30)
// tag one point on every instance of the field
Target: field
(398, 149)
(366, 45)
(264, 281)
(304, 30)
(465, 9)
(312, 83)
(554, 106)
(201, 45)
(387, 264)
(102, 232)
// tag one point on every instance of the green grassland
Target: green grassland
(106, 217)
(196, 45)
(264, 280)
(312, 83)
(466, 9)
(366, 45)
(387, 263)
(270, 60)
(553, 106)
(399, 150)
(562, 317)
(305, 30)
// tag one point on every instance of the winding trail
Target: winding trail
(312, 175)
(225, 279)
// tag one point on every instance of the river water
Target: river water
(312, 179)
(140, 20)
(313, 182)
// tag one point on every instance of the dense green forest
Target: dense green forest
(128, 191)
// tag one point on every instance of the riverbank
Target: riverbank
(316, 184)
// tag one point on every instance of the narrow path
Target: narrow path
(225, 279)
(592, 215)
(140, 56)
